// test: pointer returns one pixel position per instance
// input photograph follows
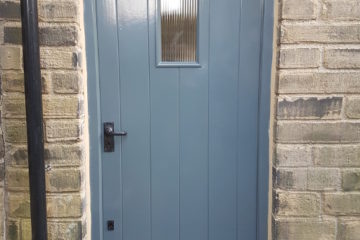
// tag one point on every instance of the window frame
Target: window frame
(175, 64)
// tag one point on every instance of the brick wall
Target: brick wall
(317, 157)
(60, 32)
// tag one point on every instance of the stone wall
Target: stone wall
(317, 160)
(63, 104)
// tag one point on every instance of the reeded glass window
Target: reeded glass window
(179, 30)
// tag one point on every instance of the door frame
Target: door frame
(95, 125)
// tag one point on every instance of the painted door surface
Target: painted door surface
(188, 167)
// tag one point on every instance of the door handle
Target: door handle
(109, 133)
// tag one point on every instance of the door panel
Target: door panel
(188, 168)
(135, 115)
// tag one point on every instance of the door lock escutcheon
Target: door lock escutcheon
(109, 133)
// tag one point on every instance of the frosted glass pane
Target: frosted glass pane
(178, 30)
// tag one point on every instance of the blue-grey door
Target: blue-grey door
(193, 165)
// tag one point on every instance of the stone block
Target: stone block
(15, 131)
(293, 155)
(323, 179)
(58, 206)
(63, 130)
(317, 132)
(297, 204)
(352, 107)
(57, 230)
(342, 58)
(305, 229)
(319, 33)
(299, 10)
(66, 82)
(57, 180)
(299, 58)
(341, 10)
(54, 154)
(309, 107)
(58, 58)
(341, 204)
(337, 156)
(315, 82)
(291, 178)
(58, 11)
(10, 10)
(351, 180)
(48, 35)
(10, 58)
(349, 229)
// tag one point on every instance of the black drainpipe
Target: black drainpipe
(34, 120)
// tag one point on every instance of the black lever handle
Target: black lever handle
(110, 131)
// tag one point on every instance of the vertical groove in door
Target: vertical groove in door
(150, 119)
(237, 129)
(179, 159)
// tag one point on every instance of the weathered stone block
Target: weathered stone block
(317, 132)
(297, 204)
(58, 206)
(56, 230)
(351, 180)
(342, 58)
(341, 204)
(349, 229)
(14, 106)
(305, 229)
(63, 180)
(12, 230)
(339, 82)
(323, 179)
(10, 57)
(66, 82)
(15, 131)
(319, 33)
(64, 205)
(352, 108)
(48, 36)
(58, 58)
(293, 9)
(309, 108)
(9, 10)
(58, 11)
(291, 178)
(341, 10)
(57, 180)
(55, 155)
(337, 156)
(17, 179)
(18, 205)
(63, 130)
(64, 155)
(293, 155)
(299, 58)
(14, 82)
(64, 107)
